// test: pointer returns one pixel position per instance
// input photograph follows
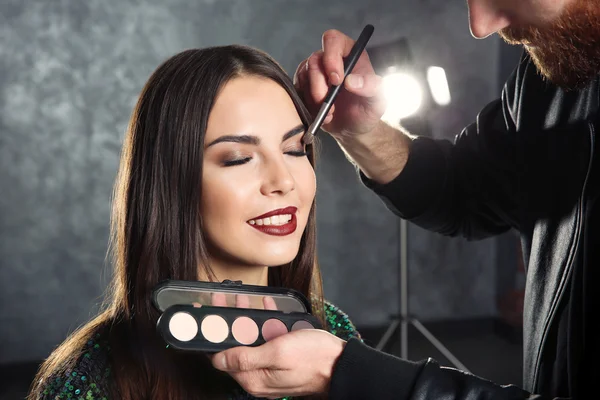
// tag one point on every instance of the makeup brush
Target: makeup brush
(349, 63)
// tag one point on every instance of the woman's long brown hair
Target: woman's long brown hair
(156, 228)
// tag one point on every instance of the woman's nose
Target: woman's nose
(485, 18)
(278, 178)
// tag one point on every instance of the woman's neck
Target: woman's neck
(258, 275)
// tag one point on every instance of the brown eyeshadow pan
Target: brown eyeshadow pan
(273, 328)
(302, 324)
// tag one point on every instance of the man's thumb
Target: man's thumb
(240, 359)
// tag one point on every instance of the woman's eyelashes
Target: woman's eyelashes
(230, 162)
(296, 153)
(238, 161)
(298, 150)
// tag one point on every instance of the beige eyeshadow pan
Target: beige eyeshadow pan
(214, 328)
(183, 326)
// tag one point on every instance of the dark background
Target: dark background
(70, 73)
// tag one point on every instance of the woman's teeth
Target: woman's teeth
(274, 220)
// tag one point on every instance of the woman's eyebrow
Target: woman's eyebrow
(293, 132)
(245, 139)
(254, 140)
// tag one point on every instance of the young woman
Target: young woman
(215, 183)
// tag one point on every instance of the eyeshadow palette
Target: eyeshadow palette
(212, 316)
(213, 329)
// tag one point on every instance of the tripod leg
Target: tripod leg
(403, 276)
(387, 335)
(404, 339)
(443, 349)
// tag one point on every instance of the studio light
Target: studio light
(403, 93)
(411, 92)
(438, 84)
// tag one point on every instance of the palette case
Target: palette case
(190, 322)
(171, 292)
(213, 329)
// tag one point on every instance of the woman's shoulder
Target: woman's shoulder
(338, 322)
(85, 375)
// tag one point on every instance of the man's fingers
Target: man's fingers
(250, 381)
(270, 384)
(317, 81)
(269, 303)
(260, 384)
(302, 85)
(336, 46)
(368, 85)
(300, 74)
(244, 359)
(242, 301)
(218, 299)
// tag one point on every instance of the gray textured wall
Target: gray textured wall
(70, 73)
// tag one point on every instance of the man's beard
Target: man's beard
(565, 51)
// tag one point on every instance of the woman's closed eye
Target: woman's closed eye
(243, 160)
(296, 153)
(236, 161)
(297, 149)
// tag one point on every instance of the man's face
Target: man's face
(562, 36)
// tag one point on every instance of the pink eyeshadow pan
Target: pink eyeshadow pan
(273, 328)
(245, 330)
(302, 325)
(214, 328)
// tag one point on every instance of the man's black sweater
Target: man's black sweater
(528, 163)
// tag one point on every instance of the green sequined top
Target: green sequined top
(91, 377)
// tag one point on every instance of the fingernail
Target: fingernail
(334, 78)
(220, 362)
(355, 81)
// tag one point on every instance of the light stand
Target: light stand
(388, 59)
(405, 318)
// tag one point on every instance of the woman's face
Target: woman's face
(258, 185)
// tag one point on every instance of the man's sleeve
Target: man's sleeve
(468, 187)
(365, 373)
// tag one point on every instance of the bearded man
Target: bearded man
(530, 162)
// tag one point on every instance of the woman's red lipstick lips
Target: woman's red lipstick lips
(278, 230)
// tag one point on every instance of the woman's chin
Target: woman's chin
(277, 255)
(276, 259)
